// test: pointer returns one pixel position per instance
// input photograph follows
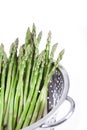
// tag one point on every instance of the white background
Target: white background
(67, 19)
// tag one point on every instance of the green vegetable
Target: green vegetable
(3, 80)
(19, 89)
(24, 79)
(43, 94)
(13, 54)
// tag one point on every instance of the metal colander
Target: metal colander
(57, 94)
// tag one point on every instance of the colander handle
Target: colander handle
(65, 118)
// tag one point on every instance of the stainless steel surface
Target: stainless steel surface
(57, 94)
(65, 118)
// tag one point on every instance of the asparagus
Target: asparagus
(28, 37)
(54, 47)
(35, 67)
(1, 55)
(10, 116)
(31, 109)
(48, 70)
(13, 53)
(44, 97)
(23, 115)
(28, 64)
(47, 60)
(1, 60)
(24, 96)
(34, 31)
(36, 44)
(19, 91)
(42, 107)
(11, 107)
(44, 88)
(27, 74)
(47, 51)
(3, 79)
(28, 69)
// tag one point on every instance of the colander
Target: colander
(57, 93)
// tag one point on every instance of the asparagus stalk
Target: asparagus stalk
(28, 40)
(34, 99)
(54, 47)
(1, 60)
(44, 89)
(10, 113)
(44, 98)
(16, 75)
(34, 31)
(19, 91)
(42, 107)
(3, 80)
(36, 44)
(23, 115)
(1, 55)
(28, 37)
(47, 51)
(48, 70)
(28, 69)
(13, 53)
(35, 66)
(47, 60)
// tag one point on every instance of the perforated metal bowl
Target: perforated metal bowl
(57, 94)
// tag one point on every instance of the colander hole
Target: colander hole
(51, 91)
(47, 97)
(57, 81)
(50, 86)
(49, 102)
(50, 81)
(56, 88)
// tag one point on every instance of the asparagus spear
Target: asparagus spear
(44, 98)
(44, 89)
(1, 60)
(28, 40)
(20, 86)
(47, 51)
(28, 69)
(1, 55)
(31, 109)
(3, 80)
(28, 37)
(35, 67)
(47, 60)
(42, 106)
(10, 113)
(51, 57)
(40, 73)
(16, 75)
(30, 62)
(34, 31)
(23, 115)
(48, 70)
(13, 53)
(36, 44)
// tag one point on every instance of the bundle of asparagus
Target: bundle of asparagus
(24, 80)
